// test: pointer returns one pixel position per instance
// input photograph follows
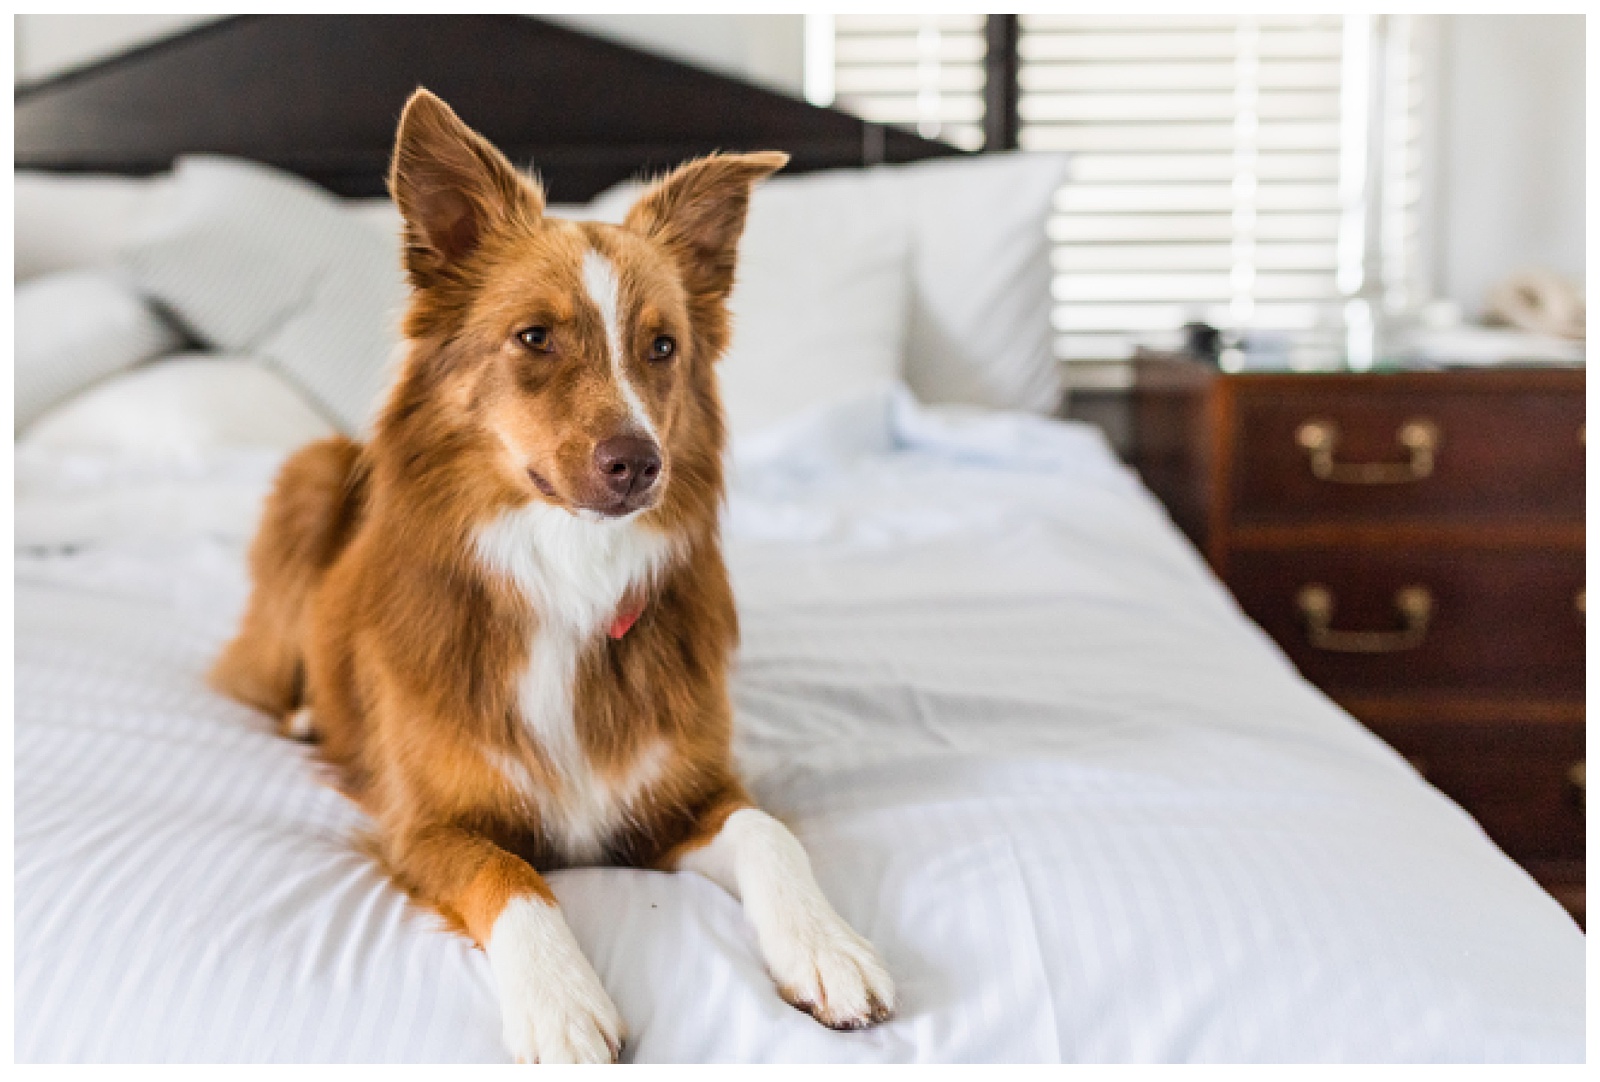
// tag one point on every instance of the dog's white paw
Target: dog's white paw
(572, 1021)
(824, 968)
(818, 962)
(552, 1005)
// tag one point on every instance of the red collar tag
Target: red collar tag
(626, 619)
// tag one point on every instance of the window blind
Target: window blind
(1411, 44)
(1206, 178)
(923, 72)
(1264, 174)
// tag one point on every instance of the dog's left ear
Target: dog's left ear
(451, 186)
(697, 212)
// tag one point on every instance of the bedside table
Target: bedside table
(1414, 542)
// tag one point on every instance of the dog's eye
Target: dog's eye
(536, 339)
(663, 348)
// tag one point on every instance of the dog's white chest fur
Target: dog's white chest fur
(574, 572)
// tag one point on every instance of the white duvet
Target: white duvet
(1083, 807)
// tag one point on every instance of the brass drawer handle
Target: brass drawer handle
(1414, 604)
(1320, 438)
(1577, 778)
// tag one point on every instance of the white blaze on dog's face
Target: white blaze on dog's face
(579, 347)
(589, 330)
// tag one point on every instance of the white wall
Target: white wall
(766, 49)
(1511, 152)
(46, 44)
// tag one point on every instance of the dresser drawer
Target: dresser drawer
(1492, 620)
(1368, 449)
(1517, 780)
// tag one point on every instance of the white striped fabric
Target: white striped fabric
(77, 327)
(253, 260)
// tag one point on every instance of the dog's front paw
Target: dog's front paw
(825, 969)
(571, 1022)
(552, 1005)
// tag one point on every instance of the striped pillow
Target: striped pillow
(254, 260)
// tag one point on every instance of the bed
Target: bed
(1085, 809)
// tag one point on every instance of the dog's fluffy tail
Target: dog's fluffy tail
(309, 517)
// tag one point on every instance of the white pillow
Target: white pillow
(182, 405)
(65, 221)
(980, 331)
(76, 327)
(377, 211)
(253, 260)
(819, 300)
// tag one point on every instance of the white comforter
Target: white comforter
(1085, 809)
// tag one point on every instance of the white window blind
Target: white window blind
(1206, 177)
(1264, 174)
(1408, 128)
(923, 72)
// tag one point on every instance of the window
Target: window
(1264, 174)
(923, 72)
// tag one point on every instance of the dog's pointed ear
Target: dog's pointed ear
(697, 212)
(451, 186)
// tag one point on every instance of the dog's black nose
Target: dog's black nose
(628, 465)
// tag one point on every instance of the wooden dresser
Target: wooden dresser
(1414, 542)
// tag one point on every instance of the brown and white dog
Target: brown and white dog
(505, 619)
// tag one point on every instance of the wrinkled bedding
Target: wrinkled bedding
(1085, 809)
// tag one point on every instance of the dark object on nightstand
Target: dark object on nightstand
(1414, 542)
(1203, 342)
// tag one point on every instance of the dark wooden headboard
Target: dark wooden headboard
(319, 95)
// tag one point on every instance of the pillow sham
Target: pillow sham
(181, 405)
(819, 301)
(979, 331)
(76, 327)
(65, 221)
(253, 260)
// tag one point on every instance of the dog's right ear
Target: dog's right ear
(451, 187)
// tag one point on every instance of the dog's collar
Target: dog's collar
(627, 616)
